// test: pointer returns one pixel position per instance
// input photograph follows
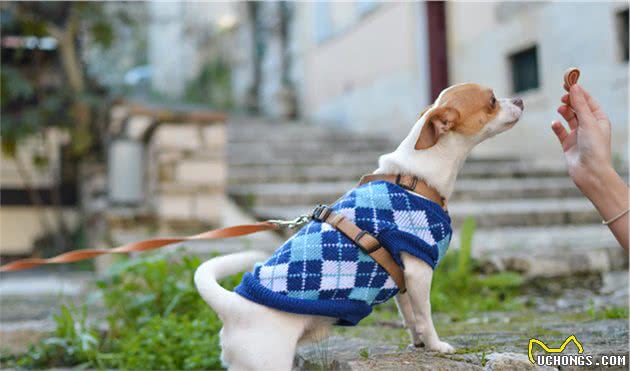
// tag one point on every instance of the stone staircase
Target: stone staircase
(530, 217)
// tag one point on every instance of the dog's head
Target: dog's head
(470, 110)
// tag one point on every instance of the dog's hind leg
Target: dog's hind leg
(419, 274)
(262, 339)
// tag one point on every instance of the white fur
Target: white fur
(255, 337)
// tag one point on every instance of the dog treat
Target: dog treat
(571, 77)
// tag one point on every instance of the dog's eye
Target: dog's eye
(493, 101)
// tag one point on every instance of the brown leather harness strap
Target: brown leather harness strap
(368, 243)
(76, 255)
(410, 183)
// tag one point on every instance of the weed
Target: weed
(364, 353)
(607, 313)
(459, 291)
(156, 320)
(483, 358)
(73, 342)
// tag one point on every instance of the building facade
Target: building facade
(372, 67)
(524, 48)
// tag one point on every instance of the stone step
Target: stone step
(288, 134)
(276, 171)
(514, 188)
(305, 149)
(511, 169)
(245, 174)
(278, 194)
(487, 213)
(529, 212)
(547, 251)
(330, 158)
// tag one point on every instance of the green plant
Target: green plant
(73, 342)
(172, 342)
(212, 86)
(156, 320)
(459, 291)
(607, 312)
(364, 353)
(483, 358)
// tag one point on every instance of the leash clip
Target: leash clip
(291, 224)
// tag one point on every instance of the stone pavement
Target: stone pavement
(488, 341)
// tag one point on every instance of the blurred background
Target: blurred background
(128, 120)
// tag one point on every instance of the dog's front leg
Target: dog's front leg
(409, 320)
(418, 275)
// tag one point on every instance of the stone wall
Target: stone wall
(189, 173)
(183, 178)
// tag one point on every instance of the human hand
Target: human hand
(586, 145)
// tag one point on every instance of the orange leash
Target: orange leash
(146, 245)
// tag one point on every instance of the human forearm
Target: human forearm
(610, 195)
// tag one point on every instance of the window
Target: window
(525, 70)
(323, 21)
(622, 34)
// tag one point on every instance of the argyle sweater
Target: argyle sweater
(319, 271)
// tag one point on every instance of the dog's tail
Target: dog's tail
(208, 273)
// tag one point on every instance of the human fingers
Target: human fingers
(559, 130)
(580, 105)
(594, 105)
(567, 113)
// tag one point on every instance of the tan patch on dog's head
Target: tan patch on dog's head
(464, 108)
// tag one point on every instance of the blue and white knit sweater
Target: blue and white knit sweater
(320, 271)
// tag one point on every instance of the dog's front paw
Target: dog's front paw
(441, 347)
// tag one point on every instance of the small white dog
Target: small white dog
(265, 337)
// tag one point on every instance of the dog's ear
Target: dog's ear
(437, 122)
(423, 112)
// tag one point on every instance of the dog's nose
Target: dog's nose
(519, 103)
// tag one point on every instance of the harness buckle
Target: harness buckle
(321, 213)
(412, 187)
(291, 224)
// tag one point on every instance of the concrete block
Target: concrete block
(166, 173)
(214, 136)
(181, 136)
(208, 207)
(201, 172)
(169, 156)
(175, 206)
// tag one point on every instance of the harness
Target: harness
(363, 239)
(366, 241)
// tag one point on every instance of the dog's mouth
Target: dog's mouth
(517, 112)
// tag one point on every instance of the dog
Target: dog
(265, 337)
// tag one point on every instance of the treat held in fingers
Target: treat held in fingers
(571, 77)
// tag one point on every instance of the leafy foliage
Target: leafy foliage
(156, 319)
(74, 342)
(213, 86)
(458, 290)
(36, 92)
